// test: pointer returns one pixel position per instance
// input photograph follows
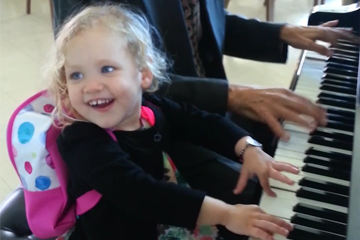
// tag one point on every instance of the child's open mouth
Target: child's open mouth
(101, 103)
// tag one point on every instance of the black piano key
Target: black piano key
(339, 65)
(306, 233)
(346, 61)
(339, 71)
(341, 113)
(338, 89)
(347, 56)
(332, 163)
(339, 126)
(321, 212)
(318, 223)
(332, 155)
(322, 196)
(342, 119)
(338, 78)
(338, 136)
(336, 103)
(327, 171)
(352, 54)
(319, 140)
(339, 118)
(345, 83)
(346, 98)
(348, 47)
(325, 186)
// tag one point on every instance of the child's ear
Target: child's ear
(146, 78)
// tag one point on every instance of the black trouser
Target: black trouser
(217, 175)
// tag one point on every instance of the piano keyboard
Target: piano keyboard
(318, 203)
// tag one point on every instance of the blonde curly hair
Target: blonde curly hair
(121, 20)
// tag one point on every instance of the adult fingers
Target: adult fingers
(275, 126)
(304, 106)
(294, 117)
(310, 45)
(332, 23)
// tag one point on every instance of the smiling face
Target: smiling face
(104, 84)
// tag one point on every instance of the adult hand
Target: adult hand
(270, 105)
(304, 37)
(257, 162)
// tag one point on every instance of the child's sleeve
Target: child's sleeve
(98, 160)
(188, 123)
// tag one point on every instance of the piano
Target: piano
(324, 203)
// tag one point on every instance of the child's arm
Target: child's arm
(225, 137)
(212, 131)
(94, 158)
(247, 220)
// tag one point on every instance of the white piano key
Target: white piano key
(293, 161)
(299, 164)
(289, 153)
(315, 55)
(312, 85)
(302, 147)
(315, 93)
(337, 108)
(312, 93)
(279, 155)
(298, 140)
(290, 127)
(282, 205)
(301, 175)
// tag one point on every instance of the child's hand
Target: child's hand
(252, 221)
(257, 162)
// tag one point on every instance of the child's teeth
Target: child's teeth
(98, 102)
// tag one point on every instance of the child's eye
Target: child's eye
(76, 76)
(107, 69)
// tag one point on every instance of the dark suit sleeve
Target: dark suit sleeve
(188, 123)
(208, 94)
(96, 159)
(254, 40)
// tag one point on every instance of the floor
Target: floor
(25, 40)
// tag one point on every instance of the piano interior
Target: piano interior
(324, 203)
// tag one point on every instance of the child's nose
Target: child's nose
(93, 86)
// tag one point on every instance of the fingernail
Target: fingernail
(286, 232)
(330, 53)
(324, 122)
(286, 137)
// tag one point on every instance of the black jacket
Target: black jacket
(129, 172)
